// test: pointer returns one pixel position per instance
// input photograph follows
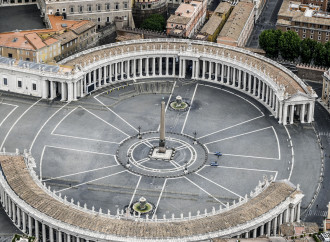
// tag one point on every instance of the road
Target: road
(267, 20)
(319, 208)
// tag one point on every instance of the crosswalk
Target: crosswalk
(319, 213)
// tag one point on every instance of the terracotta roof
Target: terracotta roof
(34, 39)
(20, 181)
(212, 24)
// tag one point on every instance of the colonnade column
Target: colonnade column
(160, 66)
(216, 71)
(291, 213)
(30, 225)
(43, 232)
(128, 69)
(36, 229)
(262, 229)
(147, 66)
(310, 113)
(285, 114)
(134, 67)
(234, 77)
(210, 70)
(268, 227)
(275, 226)
(302, 113)
(51, 234)
(298, 212)
(222, 71)
(203, 70)
(167, 65)
(291, 114)
(59, 236)
(153, 66)
(24, 222)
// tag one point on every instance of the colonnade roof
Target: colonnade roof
(277, 73)
(20, 181)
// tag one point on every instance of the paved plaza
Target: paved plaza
(76, 147)
(24, 17)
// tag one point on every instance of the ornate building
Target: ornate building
(326, 88)
(101, 12)
(285, 95)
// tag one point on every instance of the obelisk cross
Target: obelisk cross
(162, 129)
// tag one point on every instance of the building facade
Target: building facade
(101, 12)
(63, 38)
(239, 25)
(326, 88)
(306, 20)
(15, 2)
(285, 95)
(188, 18)
(322, 3)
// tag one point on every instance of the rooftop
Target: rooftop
(20, 181)
(184, 12)
(302, 13)
(37, 39)
(236, 21)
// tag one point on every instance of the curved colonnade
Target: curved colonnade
(286, 96)
(38, 212)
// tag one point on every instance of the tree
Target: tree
(327, 57)
(307, 50)
(268, 41)
(154, 22)
(289, 45)
(320, 53)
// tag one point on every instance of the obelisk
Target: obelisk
(162, 148)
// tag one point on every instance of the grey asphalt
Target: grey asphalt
(267, 20)
(318, 210)
(76, 144)
(23, 17)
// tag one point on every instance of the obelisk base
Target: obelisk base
(161, 153)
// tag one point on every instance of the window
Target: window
(108, 19)
(89, 7)
(117, 6)
(19, 84)
(99, 7)
(327, 34)
(326, 39)
(297, 29)
(107, 6)
(304, 31)
(64, 10)
(312, 31)
(80, 9)
(125, 5)
(5, 81)
(71, 9)
(319, 32)
(98, 19)
(304, 36)
(287, 28)
(311, 37)
(319, 38)
(34, 86)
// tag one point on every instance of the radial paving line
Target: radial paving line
(116, 114)
(105, 121)
(250, 132)
(192, 100)
(15, 106)
(35, 138)
(137, 185)
(160, 196)
(100, 178)
(63, 120)
(82, 172)
(3, 142)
